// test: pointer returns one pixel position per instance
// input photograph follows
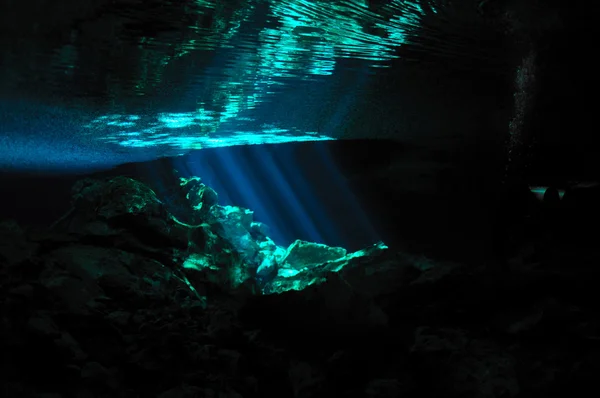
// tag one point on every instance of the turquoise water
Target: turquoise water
(105, 83)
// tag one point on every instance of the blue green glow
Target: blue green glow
(186, 131)
(227, 68)
(540, 191)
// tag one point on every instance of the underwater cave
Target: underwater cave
(298, 198)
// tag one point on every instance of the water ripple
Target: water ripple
(213, 63)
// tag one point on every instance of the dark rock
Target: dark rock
(121, 299)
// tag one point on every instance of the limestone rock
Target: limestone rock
(302, 254)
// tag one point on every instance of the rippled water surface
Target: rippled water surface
(181, 75)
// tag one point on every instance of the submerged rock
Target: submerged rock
(122, 299)
(313, 266)
(303, 254)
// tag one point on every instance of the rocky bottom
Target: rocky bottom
(120, 298)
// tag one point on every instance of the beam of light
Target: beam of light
(316, 221)
(291, 193)
(273, 182)
(255, 181)
(295, 189)
(236, 183)
(240, 181)
(361, 222)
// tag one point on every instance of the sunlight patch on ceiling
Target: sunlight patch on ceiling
(185, 131)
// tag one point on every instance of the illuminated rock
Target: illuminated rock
(302, 254)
